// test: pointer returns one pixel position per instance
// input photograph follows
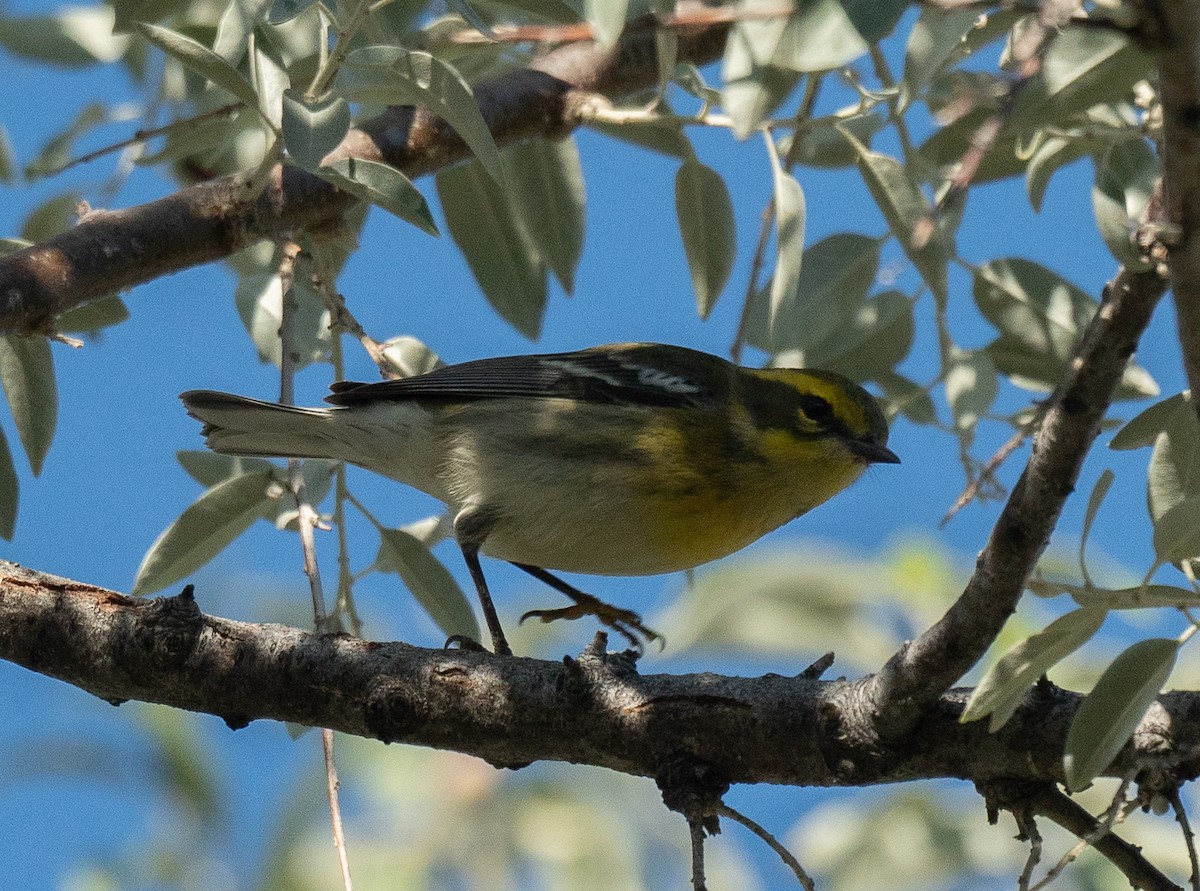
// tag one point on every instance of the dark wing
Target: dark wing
(641, 374)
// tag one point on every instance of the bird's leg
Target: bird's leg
(499, 643)
(625, 622)
(471, 527)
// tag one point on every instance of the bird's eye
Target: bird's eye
(817, 409)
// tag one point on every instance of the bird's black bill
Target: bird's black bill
(873, 452)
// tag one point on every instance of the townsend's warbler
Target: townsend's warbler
(630, 459)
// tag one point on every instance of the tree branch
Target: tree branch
(511, 711)
(916, 676)
(1173, 28)
(109, 251)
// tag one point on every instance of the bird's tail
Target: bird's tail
(235, 425)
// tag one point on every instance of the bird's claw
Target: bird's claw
(625, 622)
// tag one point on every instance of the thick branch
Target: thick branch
(111, 251)
(916, 676)
(1175, 36)
(511, 711)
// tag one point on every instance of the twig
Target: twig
(1189, 837)
(307, 520)
(920, 672)
(341, 319)
(1027, 54)
(1049, 802)
(1028, 831)
(784, 854)
(702, 17)
(696, 831)
(144, 135)
(1117, 810)
(987, 473)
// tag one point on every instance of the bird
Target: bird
(625, 459)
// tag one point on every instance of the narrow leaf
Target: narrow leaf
(1112, 711)
(935, 37)
(1095, 499)
(200, 59)
(706, 223)
(501, 254)
(545, 187)
(904, 208)
(204, 529)
(971, 387)
(27, 374)
(790, 217)
(9, 490)
(1143, 429)
(381, 185)
(285, 10)
(91, 317)
(1006, 683)
(429, 581)
(1177, 531)
(607, 18)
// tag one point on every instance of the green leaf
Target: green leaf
(1112, 711)
(7, 159)
(790, 218)
(607, 18)
(1007, 682)
(27, 374)
(872, 343)
(1034, 305)
(396, 76)
(200, 59)
(545, 186)
(1082, 67)
(1095, 499)
(270, 81)
(1033, 369)
(907, 397)
(59, 150)
(1137, 597)
(1173, 473)
(205, 528)
(821, 35)
(55, 215)
(311, 130)
(904, 208)
(209, 469)
(235, 27)
(706, 223)
(383, 186)
(91, 317)
(9, 490)
(1177, 532)
(429, 581)
(756, 70)
(285, 10)
(409, 357)
(971, 387)
(834, 280)
(73, 37)
(1126, 176)
(1143, 429)
(944, 150)
(824, 146)
(259, 300)
(665, 137)
(1052, 154)
(501, 254)
(935, 37)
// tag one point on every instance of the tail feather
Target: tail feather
(235, 425)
